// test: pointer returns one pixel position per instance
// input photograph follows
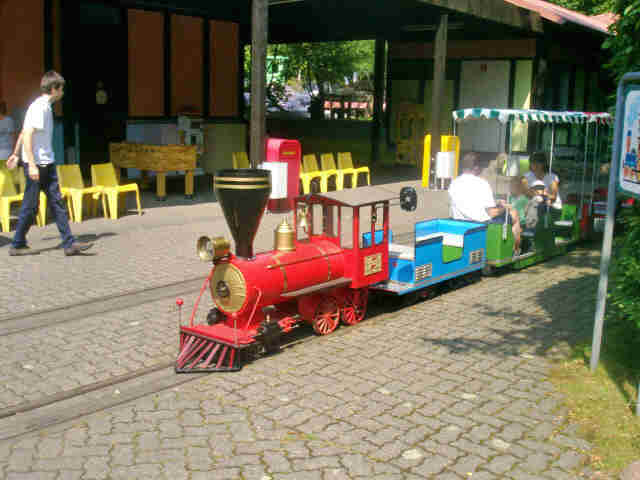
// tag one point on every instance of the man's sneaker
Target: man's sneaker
(77, 247)
(19, 251)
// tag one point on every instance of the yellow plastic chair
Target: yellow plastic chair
(310, 172)
(9, 195)
(240, 160)
(104, 175)
(312, 163)
(345, 162)
(73, 189)
(328, 164)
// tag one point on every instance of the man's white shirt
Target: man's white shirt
(39, 116)
(470, 196)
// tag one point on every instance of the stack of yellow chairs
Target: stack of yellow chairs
(9, 195)
(103, 175)
(311, 171)
(329, 165)
(345, 163)
(73, 189)
(240, 160)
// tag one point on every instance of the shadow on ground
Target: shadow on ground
(565, 320)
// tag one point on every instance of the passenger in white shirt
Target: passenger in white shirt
(538, 170)
(471, 198)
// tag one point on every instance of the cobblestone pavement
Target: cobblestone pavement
(451, 388)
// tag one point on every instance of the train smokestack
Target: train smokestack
(243, 196)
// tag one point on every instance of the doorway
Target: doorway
(97, 61)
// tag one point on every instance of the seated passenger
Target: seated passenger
(536, 205)
(539, 170)
(519, 198)
(471, 198)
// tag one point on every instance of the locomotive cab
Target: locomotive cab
(350, 219)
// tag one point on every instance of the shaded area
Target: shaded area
(566, 316)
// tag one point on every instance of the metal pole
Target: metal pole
(553, 131)
(259, 40)
(595, 155)
(608, 229)
(584, 170)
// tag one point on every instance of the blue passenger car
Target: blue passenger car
(442, 249)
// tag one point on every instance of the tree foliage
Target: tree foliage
(320, 67)
(588, 7)
(625, 283)
(624, 45)
(325, 65)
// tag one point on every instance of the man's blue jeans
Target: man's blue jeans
(48, 183)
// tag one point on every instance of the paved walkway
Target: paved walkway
(450, 388)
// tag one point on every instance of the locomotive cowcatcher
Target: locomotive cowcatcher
(319, 271)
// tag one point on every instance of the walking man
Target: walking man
(40, 170)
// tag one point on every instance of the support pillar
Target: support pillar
(378, 97)
(259, 40)
(439, 65)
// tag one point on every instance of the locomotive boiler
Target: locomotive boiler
(317, 273)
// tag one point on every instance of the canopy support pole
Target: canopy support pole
(584, 170)
(595, 155)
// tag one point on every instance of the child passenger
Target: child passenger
(536, 204)
(519, 198)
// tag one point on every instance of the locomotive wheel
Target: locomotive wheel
(327, 315)
(355, 306)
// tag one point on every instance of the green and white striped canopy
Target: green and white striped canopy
(503, 115)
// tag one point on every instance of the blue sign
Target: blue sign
(629, 146)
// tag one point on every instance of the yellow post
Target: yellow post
(161, 184)
(188, 182)
(426, 161)
(450, 143)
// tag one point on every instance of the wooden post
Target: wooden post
(378, 97)
(439, 64)
(259, 40)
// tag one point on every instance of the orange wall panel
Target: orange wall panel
(146, 63)
(186, 63)
(21, 51)
(224, 43)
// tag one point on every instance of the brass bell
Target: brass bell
(285, 237)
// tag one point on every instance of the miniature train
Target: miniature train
(339, 248)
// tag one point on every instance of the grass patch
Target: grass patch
(603, 404)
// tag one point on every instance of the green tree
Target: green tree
(588, 7)
(319, 66)
(624, 45)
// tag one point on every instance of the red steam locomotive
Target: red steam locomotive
(319, 271)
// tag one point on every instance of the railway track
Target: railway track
(68, 405)
(24, 322)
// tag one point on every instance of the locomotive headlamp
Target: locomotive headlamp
(211, 249)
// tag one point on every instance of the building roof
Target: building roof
(561, 15)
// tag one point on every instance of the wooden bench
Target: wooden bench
(157, 158)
